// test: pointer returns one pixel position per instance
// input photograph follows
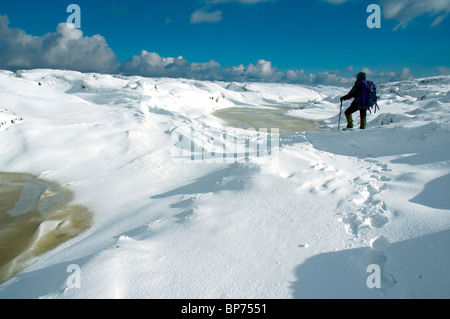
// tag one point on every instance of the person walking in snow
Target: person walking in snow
(356, 93)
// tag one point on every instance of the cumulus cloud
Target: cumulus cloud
(262, 69)
(333, 78)
(443, 70)
(347, 76)
(151, 64)
(67, 48)
(403, 75)
(298, 76)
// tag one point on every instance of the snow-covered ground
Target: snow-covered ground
(321, 215)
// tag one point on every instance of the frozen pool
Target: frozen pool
(35, 216)
(266, 118)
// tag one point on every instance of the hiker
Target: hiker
(356, 93)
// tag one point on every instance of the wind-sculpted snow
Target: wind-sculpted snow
(185, 206)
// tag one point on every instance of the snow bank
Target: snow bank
(306, 220)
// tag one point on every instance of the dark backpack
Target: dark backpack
(368, 98)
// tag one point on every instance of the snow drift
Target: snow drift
(310, 224)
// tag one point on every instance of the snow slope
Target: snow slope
(305, 221)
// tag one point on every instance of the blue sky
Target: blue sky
(317, 40)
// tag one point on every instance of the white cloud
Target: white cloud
(262, 69)
(406, 10)
(443, 70)
(333, 78)
(403, 75)
(151, 64)
(65, 49)
(201, 16)
(298, 76)
(350, 69)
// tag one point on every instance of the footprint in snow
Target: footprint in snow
(377, 256)
(364, 208)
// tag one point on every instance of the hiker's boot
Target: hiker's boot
(349, 121)
(363, 125)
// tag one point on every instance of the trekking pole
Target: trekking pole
(340, 113)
